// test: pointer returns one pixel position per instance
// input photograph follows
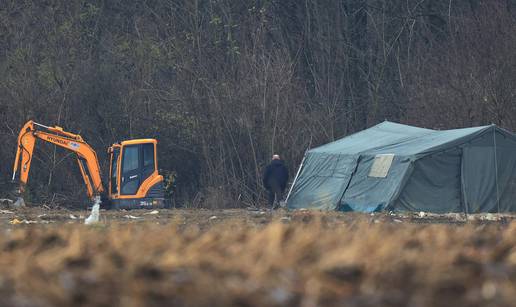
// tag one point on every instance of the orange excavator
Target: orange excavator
(134, 181)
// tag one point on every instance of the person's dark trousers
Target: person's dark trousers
(275, 196)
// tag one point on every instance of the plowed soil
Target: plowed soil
(255, 258)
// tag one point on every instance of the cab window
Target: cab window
(148, 155)
(130, 159)
(114, 171)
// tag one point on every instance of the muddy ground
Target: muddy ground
(255, 258)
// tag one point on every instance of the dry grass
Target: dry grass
(251, 259)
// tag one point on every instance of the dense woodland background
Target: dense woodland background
(223, 84)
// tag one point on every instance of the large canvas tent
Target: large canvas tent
(403, 168)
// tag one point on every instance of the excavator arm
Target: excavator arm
(86, 156)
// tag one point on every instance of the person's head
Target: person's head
(276, 157)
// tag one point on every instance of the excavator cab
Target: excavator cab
(134, 180)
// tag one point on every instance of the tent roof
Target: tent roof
(383, 134)
(388, 137)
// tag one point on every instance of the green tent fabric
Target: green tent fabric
(402, 168)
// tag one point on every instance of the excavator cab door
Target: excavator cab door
(137, 165)
(131, 172)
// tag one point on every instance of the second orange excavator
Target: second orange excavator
(134, 181)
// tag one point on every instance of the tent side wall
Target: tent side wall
(322, 180)
(479, 175)
(476, 176)
(441, 172)
(506, 157)
(367, 193)
(489, 173)
(434, 185)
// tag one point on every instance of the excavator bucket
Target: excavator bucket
(19, 202)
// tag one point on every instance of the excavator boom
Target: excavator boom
(86, 156)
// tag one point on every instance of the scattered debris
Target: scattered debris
(29, 222)
(285, 219)
(152, 212)
(488, 290)
(491, 217)
(6, 202)
(454, 216)
(73, 217)
(280, 296)
(421, 214)
(212, 217)
(6, 212)
(397, 221)
(15, 222)
(132, 217)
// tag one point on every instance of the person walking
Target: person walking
(275, 179)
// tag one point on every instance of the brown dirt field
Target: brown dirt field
(253, 258)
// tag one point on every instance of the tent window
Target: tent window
(381, 165)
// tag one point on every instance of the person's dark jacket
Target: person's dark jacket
(275, 173)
